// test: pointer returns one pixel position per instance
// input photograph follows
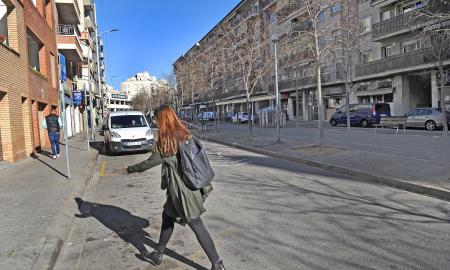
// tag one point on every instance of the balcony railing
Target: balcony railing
(66, 30)
(407, 20)
(401, 61)
(298, 82)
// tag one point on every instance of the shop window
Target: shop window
(364, 99)
(389, 97)
(378, 99)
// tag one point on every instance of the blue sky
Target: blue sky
(154, 33)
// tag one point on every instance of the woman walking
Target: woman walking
(183, 205)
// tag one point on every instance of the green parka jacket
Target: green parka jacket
(182, 204)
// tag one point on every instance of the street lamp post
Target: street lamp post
(98, 68)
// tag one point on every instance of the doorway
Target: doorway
(2, 104)
(41, 117)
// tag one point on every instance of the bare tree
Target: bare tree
(248, 58)
(432, 25)
(347, 46)
(142, 102)
(318, 43)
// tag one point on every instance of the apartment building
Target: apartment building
(393, 67)
(141, 81)
(388, 66)
(15, 112)
(43, 65)
(117, 101)
(227, 92)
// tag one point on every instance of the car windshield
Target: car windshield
(128, 121)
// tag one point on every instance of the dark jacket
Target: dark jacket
(52, 123)
(182, 203)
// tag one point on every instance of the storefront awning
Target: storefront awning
(375, 92)
(243, 100)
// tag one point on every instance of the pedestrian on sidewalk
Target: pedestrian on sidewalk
(53, 125)
(183, 205)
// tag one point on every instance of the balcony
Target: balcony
(88, 5)
(68, 11)
(403, 23)
(69, 43)
(395, 65)
(89, 23)
(326, 79)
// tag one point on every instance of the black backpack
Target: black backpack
(197, 172)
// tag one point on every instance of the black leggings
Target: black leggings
(202, 234)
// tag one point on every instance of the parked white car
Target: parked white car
(127, 131)
(240, 117)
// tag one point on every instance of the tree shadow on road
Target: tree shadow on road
(128, 227)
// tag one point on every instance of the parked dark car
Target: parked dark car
(363, 115)
(228, 116)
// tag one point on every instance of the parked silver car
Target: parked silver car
(428, 118)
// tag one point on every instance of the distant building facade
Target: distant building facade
(142, 81)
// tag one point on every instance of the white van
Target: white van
(127, 131)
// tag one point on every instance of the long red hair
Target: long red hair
(170, 131)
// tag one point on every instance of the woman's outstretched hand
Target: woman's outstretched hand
(125, 170)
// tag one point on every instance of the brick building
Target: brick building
(15, 120)
(43, 65)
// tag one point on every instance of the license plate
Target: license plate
(133, 143)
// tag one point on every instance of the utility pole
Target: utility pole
(62, 62)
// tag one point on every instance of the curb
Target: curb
(53, 244)
(357, 174)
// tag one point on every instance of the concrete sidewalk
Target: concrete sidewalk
(34, 195)
(416, 163)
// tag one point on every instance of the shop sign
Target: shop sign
(77, 98)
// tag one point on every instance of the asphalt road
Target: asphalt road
(264, 213)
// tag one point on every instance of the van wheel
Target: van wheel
(333, 123)
(364, 123)
(430, 125)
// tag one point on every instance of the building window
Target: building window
(366, 57)
(386, 15)
(335, 9)
(411, 45)
(53, 70)
(411, 6)
(366, 25)
(386, 51)
(5, 11)
(34, 47)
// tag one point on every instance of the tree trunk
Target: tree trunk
(443, 107)
(249, 111)
(347, 100)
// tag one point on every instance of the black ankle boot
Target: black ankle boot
(218, 266)
(155, 257)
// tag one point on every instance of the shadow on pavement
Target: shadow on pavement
(45, 153)
(128, 227)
